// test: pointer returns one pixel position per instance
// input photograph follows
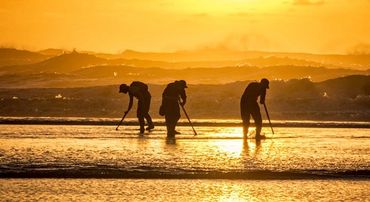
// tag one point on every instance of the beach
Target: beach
(182, 190)
(75, 159)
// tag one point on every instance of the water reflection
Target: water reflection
(182, 190)
(171, 141)
(214, 149)
(252, 148)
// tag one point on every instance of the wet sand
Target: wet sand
(302, 164)
(182, 190)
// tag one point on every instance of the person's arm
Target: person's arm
(130, 103)
(263, 96)
(183, 97)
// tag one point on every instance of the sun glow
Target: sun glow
(233, 6)
(328, 26)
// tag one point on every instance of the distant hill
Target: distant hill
(211, 66)
(64, 63)
(197, 58)
(9, 56)
(181, 56)
(53, 52)
(214, 75)
(346, 61)
(303, 86)
(349, 86)
(82, 75)
(260, 62)
(68, 62)
(345, 98)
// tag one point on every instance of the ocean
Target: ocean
(96, 162)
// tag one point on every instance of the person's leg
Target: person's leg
(245, 115)
(141, 123)
(175, 121)
(246, 123)
(172, 116)
(140, 116)
(256, 114)
(170, 126)
(146, 111)
(176, 117)
(149, 121)
(167, 112)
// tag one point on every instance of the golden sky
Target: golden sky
(316, 26)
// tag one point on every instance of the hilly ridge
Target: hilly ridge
(360, 61)
(10, 56)
(79, 69)
(62, 64)
(345, 98)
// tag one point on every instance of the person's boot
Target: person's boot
(142, 130)
(258, 133)
(260, 137)
(150, 127)
(170, 135)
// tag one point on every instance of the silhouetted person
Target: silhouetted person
(170, 108)
(249, 106)
(140, 91)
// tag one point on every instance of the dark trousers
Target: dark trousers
(247, 110)
(143, 111)
(171, 114)
(171, 123)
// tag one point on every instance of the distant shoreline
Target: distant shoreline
(160, 122)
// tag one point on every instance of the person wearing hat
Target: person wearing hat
(140, 91)
(173, 95)
(249, 106)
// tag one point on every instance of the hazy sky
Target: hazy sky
(317, 26)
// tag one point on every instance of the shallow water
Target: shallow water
(295, 164)
(217, 152)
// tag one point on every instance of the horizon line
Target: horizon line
(172, 51)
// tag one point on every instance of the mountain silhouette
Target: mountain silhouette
(69, 62)
(360, 61)
(53, 52)
(10, 56)
(348, 86)
(335, 99)
(72, 69)
(64, 63)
